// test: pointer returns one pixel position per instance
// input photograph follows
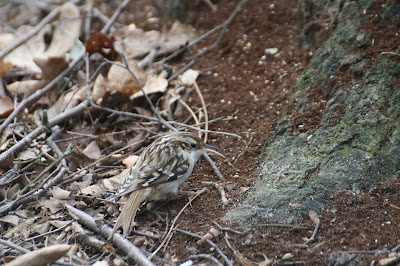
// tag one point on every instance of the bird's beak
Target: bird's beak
(213, 150)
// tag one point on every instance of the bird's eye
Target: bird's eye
(193, 144)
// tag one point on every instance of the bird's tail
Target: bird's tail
(127, 217)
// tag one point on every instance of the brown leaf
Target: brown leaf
(92, 151)
(6, 106)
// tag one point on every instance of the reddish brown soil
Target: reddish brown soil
(252, 94)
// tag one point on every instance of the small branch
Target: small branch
(114, 17)
(180, 71)
(221, 191)
(214, 167)
(38, 131)
(285, 225)
(227, 229)
(217, 249)
(13, 246)
(236, 253)
(105, 231)
(314, 217)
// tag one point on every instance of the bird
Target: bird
(158, 172)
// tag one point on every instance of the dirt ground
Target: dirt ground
(251, 90)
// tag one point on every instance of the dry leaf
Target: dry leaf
(137, 42)
(66, 102)
(118, 79)
(6, 106)
(67, 31)
(153, 85)
(5, 67)
(92, 151)
(94, 190)
(189, 77)
(60, 193)
(54, 205)
(59, 224)
(11, 219)
(129, 161)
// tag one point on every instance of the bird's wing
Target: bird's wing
(153, 174)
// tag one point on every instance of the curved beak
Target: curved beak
(213, 150)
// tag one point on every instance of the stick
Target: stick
(227, 261)
(207, 257)
(221, 191)
(19, 146)
(105, 231)
(114, 17)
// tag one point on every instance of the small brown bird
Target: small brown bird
(158, 172)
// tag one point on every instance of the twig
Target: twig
(31, 184)
(48, 233)
(244, 150)
(105, 231)
(41, 129)
(227, 229)
(221, 191)
(214, 167)
(109, 155)
(51, 85)
(285, 225)
(225, 26)
(217, 249)
(152, 107)
(180, 71)
(236, 253)
(13, 246)
(207, 257)
(170, 232)
(38, 27)
(114, 17)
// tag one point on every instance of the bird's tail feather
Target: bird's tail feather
(127, 217)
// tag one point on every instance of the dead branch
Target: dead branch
(114, 17)
(227, 229)
(170, 232)
(212, 244)
(19, 146)
(105, 231)
(214, 167)
(13, 246)
(180, 71)
(236, 253)
(221, 191)
(38, 27)
(285, 225)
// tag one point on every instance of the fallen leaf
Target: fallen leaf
(129, 161)
(6, 106)
(189, 77)
(60, 193)
(94, 190)
(92, 151)
(11, 219)
(41, 256)
(153, 85)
